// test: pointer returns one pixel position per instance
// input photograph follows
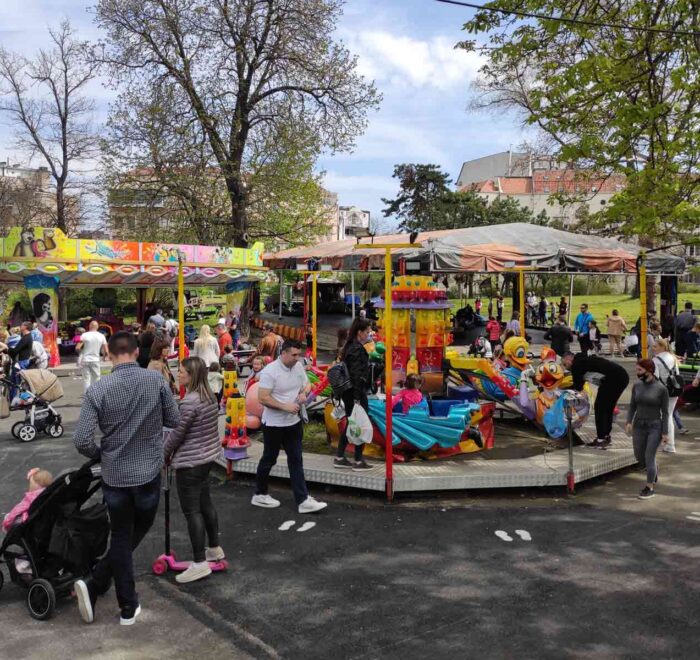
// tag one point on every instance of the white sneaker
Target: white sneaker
(310, 505)
(669, 450)
(264, 501)
(194, 572)
(215, 554)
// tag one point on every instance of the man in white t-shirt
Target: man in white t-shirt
(282, 389)
(92, 347)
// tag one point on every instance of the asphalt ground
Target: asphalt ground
(604, 575)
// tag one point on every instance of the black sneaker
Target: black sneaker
(360, 466)
(607, 441)
(129, 614)
(598, 444)
(342, 463)
(646, 494)
(86, 594)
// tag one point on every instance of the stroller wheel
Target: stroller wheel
(15, 429)
(41, 599)
(2, 580)
(55, 430)
(26, 433)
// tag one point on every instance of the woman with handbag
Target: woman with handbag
(648, 421)
(356, 360)
(192, 449)
(667, 372)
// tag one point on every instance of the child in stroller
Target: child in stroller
(59, 541)
(38, 388)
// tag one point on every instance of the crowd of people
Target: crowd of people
(144, 427)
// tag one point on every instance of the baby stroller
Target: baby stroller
(59, 542)
(38, 388)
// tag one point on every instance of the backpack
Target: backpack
(339, 379)
(672, 383)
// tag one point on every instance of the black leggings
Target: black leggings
(196, 504)
(349, 402)
(609, 392)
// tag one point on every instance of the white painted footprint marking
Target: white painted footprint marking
(307, 526)
(504, 536)
(524, 534)
(287, 524)
(693, 518)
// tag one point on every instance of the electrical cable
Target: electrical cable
(573, 21)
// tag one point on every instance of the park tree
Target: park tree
(248, 74)
(45, 99)
(614, 86)
(425, 202)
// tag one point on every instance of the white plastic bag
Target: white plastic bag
(359, 426)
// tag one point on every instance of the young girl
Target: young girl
(216, 381)
(410, 395)
(192, 449)
(258, 364)
(38, 481)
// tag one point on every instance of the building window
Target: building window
(546, 189)
(594, 189)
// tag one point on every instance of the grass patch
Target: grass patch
(315, 438)
(599, 306)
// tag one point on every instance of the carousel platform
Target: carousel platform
(482, 470)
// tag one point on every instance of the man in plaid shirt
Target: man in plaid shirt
(130, 406)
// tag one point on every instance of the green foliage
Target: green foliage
(611, 100)
(425, 203)
(420, 198)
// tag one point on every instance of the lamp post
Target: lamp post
(181, 316)
(388, 364)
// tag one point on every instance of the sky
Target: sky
(406, 46)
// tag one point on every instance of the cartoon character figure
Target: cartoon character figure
(515, 352)
(548, 377)
(29, 246)
(41, 305)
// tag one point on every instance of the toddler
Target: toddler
(228, 359)
(594, 336)
(216, 380)
(38, 481)
(258, 364)
(410, 395)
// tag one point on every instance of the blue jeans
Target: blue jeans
(288, 438)
(131, 514)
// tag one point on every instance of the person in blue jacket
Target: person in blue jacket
(583, 318)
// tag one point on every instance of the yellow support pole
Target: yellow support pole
(521, 294)
(181, 314)
(388, 366)
(642, 269)
(314, 322)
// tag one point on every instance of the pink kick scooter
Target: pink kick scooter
(168, 560)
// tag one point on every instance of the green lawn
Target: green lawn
(600, 305)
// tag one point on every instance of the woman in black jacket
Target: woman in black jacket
(357, 361)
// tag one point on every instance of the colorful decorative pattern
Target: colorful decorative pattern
(43, 294)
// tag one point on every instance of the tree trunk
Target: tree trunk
(237, 231)
(61, 208)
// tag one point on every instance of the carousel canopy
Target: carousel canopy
(488, 250)
(101, 263)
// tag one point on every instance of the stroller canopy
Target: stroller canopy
(43, 383)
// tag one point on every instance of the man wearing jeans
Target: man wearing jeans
(282, 389)
(92, 348)
(130, 406)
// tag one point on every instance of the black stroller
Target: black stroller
(59, 542)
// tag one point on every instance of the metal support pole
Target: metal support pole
(181, 316)
(521, 295)
(642, 269)
(314, 318)
(279, 314)
(388, 366)
(352, 293)
(571, 299)
(570, 477)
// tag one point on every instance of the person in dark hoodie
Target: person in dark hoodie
(357, 361)
(615, 380)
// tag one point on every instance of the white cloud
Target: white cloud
(402, 60)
